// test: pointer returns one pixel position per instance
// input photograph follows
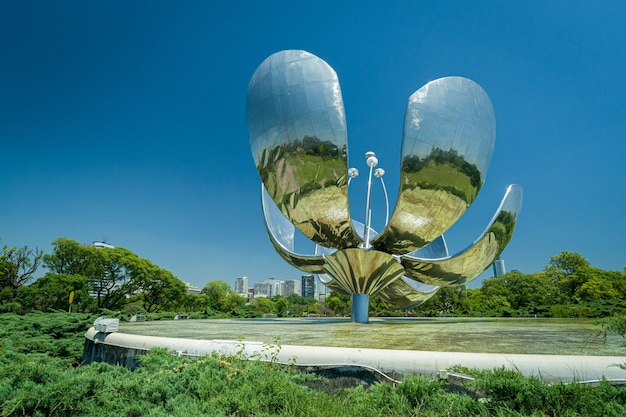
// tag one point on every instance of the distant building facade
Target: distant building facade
(499, 268)
(241, 286)
(192, 289)
(308, 286)
(291, 287)
(269, 288)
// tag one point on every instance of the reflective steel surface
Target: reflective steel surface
(297, 132)
(360, 271)
(468, 264)
(400, 294)
(281, 234)
(449, 136)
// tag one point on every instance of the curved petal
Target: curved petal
(321, 250)
(436, 249)
(281, 234)
(449, 136)
(471, 262)
(297, 132)
(361, 271)
(324, 278)
(401, 294)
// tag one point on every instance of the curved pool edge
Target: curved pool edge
(123, 349)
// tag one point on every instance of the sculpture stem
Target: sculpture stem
(360, 308)
(368, 214)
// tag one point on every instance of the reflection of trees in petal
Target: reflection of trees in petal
(338, 236)
(443, 170)
(502, 228)
(299, 176)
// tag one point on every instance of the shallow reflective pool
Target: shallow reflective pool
(536, 336)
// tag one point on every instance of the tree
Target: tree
(488, 306)
(524, 292)
(568, 271)
(17, 266)
(596, 289)
(448, 300)
(263, 305)
(339, 304)
(114, 275)
(193, 302)
(567, 263)
(52, 292)
(281, 305)
(159, 289)
(70, 257)
(216, 292)
(232, 303)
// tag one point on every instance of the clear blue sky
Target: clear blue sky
(125, 120)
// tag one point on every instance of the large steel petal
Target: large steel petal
(281, 234)
(297, 132)
(449, 136)
(471, 262)
(361, 271)
(401, 294)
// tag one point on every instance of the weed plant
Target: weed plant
(39, 376)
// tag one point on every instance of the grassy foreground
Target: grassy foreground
(41, 375)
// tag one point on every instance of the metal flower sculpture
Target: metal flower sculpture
(297, 131)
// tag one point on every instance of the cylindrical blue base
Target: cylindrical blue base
(360, 308)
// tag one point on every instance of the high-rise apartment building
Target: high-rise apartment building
(291, 287)
(498, 268)
(308, 286)
(269, 288)
(241, 286)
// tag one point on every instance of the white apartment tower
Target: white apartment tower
(291, 287)
(241, 286)
(269, 288)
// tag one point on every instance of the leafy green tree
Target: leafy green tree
(493, 305)
(525, 293)
(567, 263)
(233, 304)
(52, 292)
(448, 300)
(297, 303)
(17, 266)
(216, 292)
(193, 302)
(263, 305)
(339, 304)
(617, 280)
(596, 289)
(115, 275)
(281, 306)
(297, 300)
(112, 279)
(70, 257)
(568, 272)
(159, 288)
